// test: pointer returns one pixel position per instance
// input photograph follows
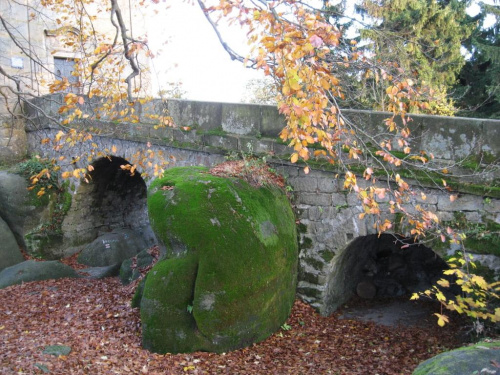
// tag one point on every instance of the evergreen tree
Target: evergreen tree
(478, 92)
(422, 37)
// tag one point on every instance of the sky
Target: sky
(194, 56)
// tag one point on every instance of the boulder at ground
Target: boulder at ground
(32, 270)
(230, 275)
(129, 270)
(482, 358)
(112, 248)
(9, 249)
(14, 206)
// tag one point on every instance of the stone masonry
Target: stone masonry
(328, 215)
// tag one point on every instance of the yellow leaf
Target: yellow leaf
(294, 157)
(444, 283)
(442, 319)
(113, 149)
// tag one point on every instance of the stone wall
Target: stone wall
(328, 215)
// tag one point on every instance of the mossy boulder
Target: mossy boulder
(481, 358)
(32, 270)
(230, 274)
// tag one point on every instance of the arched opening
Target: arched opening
(113, 199)
(377, 267)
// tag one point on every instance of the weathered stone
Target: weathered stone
(327, 185)
(252, 145)
(480, 358)
(272, 122)
(13, 141)
(102, 272)
(241, 119)
(129, 274)
(315, 199)
(57, 350)
(14, 203)
(462, 203)
(230, 274)
(304, 184)
(31, 270)
(112, 248)
(9, 249)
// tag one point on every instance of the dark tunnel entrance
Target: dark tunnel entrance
(112, 200)
(391, 270)
(381, 267)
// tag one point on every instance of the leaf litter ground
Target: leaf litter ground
(94, 319)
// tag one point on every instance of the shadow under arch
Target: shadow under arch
(112, 199)
(374, 266)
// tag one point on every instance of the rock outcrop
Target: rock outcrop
(32, 270)
(9, 249)
(482, 358)
(230, 274)
(112, 248)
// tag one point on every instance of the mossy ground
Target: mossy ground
(242, 241)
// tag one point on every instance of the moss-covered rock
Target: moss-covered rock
(230, 274)
(477, 359)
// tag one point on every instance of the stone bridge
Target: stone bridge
(337, 248)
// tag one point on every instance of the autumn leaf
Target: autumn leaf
(442, 319)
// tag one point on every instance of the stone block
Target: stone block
(314, 199)
(242, 119)
(185, 136)
(429, 198)
(339, 200)
(281, 149)
(225, 142)
(301, 184)
(203, 115)
(473, 217)
(272, 122)
(328, 185)
(451, 138)
(491, 138)
(462, 203)
(253, 145)
(492, 206)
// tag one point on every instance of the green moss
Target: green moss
(242, 240)
(327, 255)
(315, 263)
(308, 277)
(217, 131)
(301, 228)
(306, 243)
(481, 238)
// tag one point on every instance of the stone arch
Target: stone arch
(380, 266)
(112, 199)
